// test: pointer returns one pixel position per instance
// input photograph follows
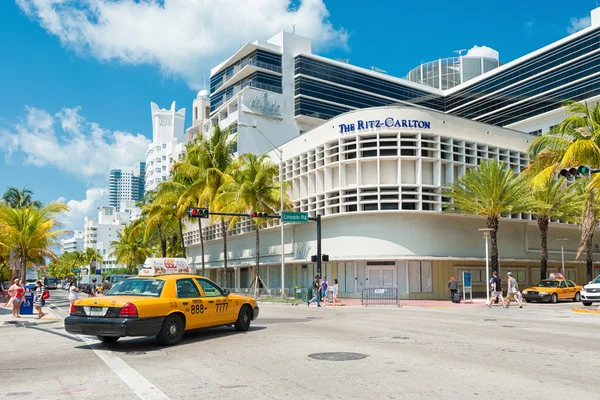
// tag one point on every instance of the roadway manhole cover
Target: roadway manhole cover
(135, 353)
(338, 356)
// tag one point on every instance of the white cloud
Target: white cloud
(578, 24)
(482, 51)
(183, 37)
(68, 142)
(79, 209)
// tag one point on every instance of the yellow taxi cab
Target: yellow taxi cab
(165, 300)
(552, 290)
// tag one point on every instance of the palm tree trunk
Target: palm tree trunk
(181, 237)
(163, 242)
(23, 271)
(201, 246)
(224, 230)
(492, 223)
(257, 273)
(589, 260)
(543, 225)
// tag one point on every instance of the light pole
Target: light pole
(562, 253)
(486, 235)
(279, 153)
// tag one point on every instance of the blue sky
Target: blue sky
(76, 91)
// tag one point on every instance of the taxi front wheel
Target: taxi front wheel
(171, 331)
(243, 322)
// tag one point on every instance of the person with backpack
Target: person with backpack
(496, 289)
(316, 289)
(41, 295)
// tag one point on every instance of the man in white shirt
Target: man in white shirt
(513, 291)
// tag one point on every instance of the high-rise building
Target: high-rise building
(126, 184)
(284, 89)
(100, 233)
(168, 144)
(74, 243)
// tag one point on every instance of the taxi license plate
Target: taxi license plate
(96, 312)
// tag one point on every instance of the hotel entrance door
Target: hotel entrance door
(381, 276)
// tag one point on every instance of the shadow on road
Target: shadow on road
(148, 344)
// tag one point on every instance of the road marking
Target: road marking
(142, 387)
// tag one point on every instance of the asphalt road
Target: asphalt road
(540, 351)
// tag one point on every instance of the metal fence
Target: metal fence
(382, 296)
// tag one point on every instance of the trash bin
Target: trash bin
(27, 301)
(298, 292)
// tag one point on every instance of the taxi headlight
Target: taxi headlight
(544, 293)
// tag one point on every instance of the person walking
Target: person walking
(324, 286)
(15, 292)
(453, 286)
(335, 290)
(40, 297)
(497, 289)
(316, 292)
(93, 288)
(73, 292)
(513, 291)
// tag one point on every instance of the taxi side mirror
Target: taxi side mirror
(226, 292)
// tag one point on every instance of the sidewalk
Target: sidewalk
(420, 303)
(7, 320)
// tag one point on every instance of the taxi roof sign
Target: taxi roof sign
(166, 266)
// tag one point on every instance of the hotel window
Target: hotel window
(420, 276)
(537, 132)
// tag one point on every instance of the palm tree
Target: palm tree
(553, 199)
(31, 232)
(16, 198)
(492, 191)
(253, 188)
(205, 168)
(130, 249)
(575, 141)
(162, 213)
(90, 255)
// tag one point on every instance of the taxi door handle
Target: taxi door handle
(185, 303)
(211, 301)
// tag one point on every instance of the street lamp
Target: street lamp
(486, 235)
(562, 253)
(279, 153)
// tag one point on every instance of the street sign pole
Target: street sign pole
(319, 245)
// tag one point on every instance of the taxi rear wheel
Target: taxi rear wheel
(243, 322)
(107, 339)
(577, 297)
(171, 331)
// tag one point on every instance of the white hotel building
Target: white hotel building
(168, 144)
(378, 189)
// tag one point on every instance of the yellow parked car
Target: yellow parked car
(553, 290)
(164, 305)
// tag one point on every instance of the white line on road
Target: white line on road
(142, 387)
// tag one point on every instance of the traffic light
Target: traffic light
(325, 257)
(255, 214)
(575, 171)
(198, 212)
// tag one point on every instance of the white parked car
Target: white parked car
(591, 292)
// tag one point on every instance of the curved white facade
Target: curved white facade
(375, 176)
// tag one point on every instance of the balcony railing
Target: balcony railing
(237, 88)
(238, 67)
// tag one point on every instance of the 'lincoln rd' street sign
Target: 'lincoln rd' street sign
(292, 216)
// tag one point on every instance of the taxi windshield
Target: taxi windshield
(137, 287)
(547, 284)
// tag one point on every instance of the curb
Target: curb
(586, 310)
(27, 324)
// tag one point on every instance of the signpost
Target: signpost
(293, 216)
(467, 286)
